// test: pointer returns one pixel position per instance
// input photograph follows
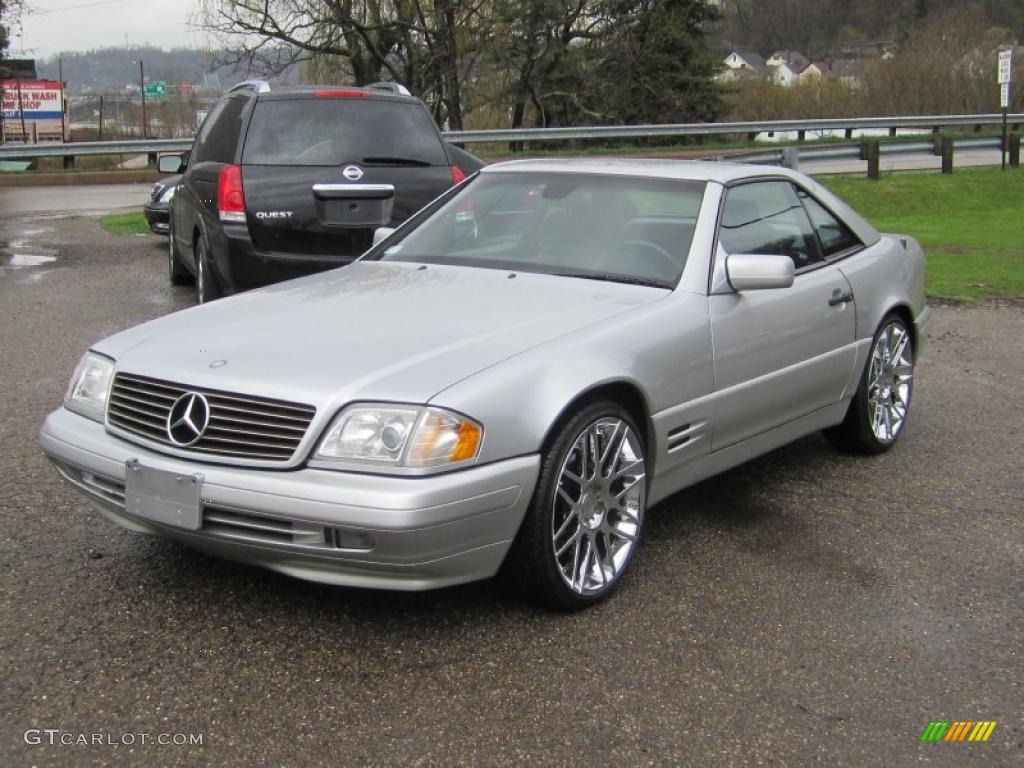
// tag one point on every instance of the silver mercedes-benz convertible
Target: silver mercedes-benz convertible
(509, 380)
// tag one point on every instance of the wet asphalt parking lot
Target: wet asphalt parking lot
(806, 609)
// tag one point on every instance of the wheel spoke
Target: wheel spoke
(592, 447)
(565, 525)
(609, 551)
(637, 480)
(585, 573)
(613, 447)
(629, 516)
(897, 353)
(575, 563)
(599, 564)
(627, 470)
(619, 533)
(574, 539)
(566, 497)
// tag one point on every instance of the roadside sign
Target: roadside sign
(1005, 66)
(156, 90)
(1004, 96)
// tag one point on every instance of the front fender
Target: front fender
(663, 351)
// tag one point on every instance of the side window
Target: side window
(835, 237)
(767, 217)
(199, 153)
(218, 139)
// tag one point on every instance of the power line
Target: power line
(31, 12)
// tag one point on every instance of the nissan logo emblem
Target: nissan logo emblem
(352, 173)
(188, 419)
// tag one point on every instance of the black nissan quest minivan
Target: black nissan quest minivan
(282, 182)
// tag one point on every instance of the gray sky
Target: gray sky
(51, 26)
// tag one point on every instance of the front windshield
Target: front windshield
(616, 228)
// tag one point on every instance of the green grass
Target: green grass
(971, 224)
(133, 223)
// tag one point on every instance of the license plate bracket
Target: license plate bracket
(170, 498)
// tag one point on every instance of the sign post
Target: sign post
(1005, 76)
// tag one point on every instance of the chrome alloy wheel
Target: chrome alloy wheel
(890, 380)
(598, 506)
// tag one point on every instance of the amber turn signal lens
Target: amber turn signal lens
(468, 443)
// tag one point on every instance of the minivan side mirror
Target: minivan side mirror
(170, 163)
(757, 272)
(382, 233)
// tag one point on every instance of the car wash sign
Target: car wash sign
(38, 99)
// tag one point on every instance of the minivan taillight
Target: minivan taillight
(230, 195)
(458, 175)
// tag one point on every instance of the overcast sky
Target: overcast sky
(51, 26)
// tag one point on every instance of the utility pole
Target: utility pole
(101, 118)
(21, 111)
(142, 90)
(63, 98)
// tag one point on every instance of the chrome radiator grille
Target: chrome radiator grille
(240, 426)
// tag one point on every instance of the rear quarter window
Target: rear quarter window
(334, 131)
(218, 138)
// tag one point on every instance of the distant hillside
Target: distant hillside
(112, 69)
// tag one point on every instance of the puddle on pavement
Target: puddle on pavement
(19, 254)
(22, 253)
(30, 259)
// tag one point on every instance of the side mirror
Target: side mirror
(382, 233)
(757, 272)
(170, 163)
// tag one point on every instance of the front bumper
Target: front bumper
(426, 532)
(158, 217)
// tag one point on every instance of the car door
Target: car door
(779, 354)
(215, 146)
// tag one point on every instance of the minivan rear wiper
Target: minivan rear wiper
(383, 160)
(612, 277)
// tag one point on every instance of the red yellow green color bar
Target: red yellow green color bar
(958, 730)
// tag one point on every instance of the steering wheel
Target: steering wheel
(650, 252)
(311, 150)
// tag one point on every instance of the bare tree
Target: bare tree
(416, 42)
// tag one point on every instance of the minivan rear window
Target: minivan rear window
(320, 131)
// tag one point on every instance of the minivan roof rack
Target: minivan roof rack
(389, 86)
(260, 86)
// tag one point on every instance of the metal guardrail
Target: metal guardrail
(846, 152)
(151, 146)
(86, 148)
(718, 129)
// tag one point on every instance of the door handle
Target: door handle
(840, 297)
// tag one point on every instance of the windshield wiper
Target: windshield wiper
(383, 160)
(611, 277)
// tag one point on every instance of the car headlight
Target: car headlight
(87, 393)
(167, 194)
(401, 436)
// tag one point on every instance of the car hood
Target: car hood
(371, 330)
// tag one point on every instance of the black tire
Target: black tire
(177, 272)
(857, 433)
(207, 286)
(532, 566)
